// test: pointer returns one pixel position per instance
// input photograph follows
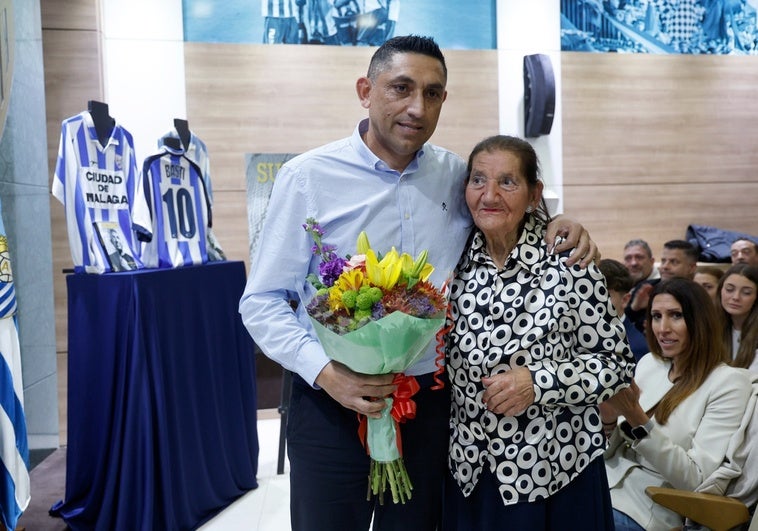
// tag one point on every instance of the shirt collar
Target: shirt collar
(92, 132)
(529, 253)
(368, 156)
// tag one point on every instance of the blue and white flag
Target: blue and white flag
(14, 449)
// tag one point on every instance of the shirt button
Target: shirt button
(407, 215)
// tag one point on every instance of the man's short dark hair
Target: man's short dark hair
(404, 44)
(617, 276)
(755, 244)
(690, 251)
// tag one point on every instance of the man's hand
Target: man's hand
(574, 237)
(641, 297)
(509, 393)
(359, 392)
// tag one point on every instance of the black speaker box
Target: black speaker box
(539, 95)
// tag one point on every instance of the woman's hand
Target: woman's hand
(576, 237)
(627, 403)
(609, 417)
(608, 414)
(509, 393)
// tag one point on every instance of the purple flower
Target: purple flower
(377, 311)
(331, 270)
(421, 306)
(328, 252)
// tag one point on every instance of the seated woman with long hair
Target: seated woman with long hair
(671, 428)
(738, 296)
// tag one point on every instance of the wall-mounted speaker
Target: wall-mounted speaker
(539, 95)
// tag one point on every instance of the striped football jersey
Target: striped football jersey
(98, 183)
(180, 211)
(197, 152)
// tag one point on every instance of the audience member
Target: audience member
(744, 251)
(673, 425)
(534, 349)
(679, 259)
(620, 283)
(739, 307)
(638, 259)
(709, 277)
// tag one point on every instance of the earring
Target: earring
(529, 209)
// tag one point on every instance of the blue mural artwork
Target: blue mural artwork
(457, 24)
(660, 26)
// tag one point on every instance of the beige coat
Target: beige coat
(683, 452)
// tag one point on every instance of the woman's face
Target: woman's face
(709, 282)
(497, 193)
(669, 326)
(738, 295)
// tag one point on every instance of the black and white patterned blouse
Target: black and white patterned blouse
(554, 320)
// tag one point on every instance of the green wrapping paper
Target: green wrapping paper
(389, 345)
(381, 436)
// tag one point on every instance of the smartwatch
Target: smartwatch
(638, 432)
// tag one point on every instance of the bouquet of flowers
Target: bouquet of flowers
(376, 315)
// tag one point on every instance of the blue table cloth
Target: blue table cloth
(161, 398)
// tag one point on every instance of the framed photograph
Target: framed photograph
(115, 245)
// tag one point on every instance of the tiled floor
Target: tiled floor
(267, 507)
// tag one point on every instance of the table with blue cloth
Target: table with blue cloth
(161, 398)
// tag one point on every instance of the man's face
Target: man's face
(404, 104)
(638, 262)
(116, 241)
(675, 264)
(743, 252)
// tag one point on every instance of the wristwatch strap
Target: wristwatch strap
(638, 432)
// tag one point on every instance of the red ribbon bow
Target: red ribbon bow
(403, 408)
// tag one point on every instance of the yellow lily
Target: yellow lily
(415, 270)
(385, 273)
(408, 267)
(362, 245)
(426, 271)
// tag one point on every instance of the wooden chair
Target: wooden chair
(720, 513)
(725, 499)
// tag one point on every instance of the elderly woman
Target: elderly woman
(534, 348)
